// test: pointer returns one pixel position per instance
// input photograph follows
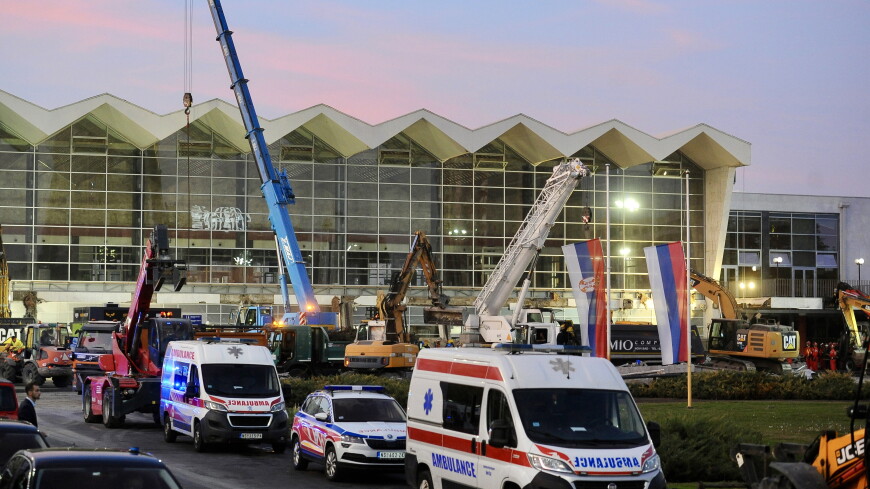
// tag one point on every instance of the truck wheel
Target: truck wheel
(31, 374)
(7, 372)
(88, 411)
(61, 381)
(424, 480)
(199, 443)
(333, 472)
(169, 435)
(299, 463)
(109, 419)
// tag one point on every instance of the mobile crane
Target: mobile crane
(486, 325)
(735, 344)
(276, 190)
(385, 343)
(848, 299)
(131, 381)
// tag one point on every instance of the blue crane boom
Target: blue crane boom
(276, 190)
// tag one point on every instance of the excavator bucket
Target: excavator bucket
(448, 316)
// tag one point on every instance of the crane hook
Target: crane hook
(188, 102)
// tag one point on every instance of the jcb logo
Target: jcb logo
(850, 451)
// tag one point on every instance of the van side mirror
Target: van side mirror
(192, 390)
(655, 433)
(499, 433)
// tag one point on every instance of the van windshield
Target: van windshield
(235, 380)
(579, 418)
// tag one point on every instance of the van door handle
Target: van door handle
(483, 448)
(474, 445)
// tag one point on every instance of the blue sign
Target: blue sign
(195, 319)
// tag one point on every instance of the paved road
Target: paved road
(59, 414)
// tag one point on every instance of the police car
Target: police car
(349, 427)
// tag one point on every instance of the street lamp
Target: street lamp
(777, 260)
(859, 262)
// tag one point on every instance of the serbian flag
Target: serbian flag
(667, 276)
(585, 262)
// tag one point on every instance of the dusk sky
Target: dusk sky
(790, 77)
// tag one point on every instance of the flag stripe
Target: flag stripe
(585, 263)
(667, 270)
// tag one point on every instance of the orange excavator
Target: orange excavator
(849, 299)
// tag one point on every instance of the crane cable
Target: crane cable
(187, 100)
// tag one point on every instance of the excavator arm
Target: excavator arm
(849, 299)
(714, 291)
(392, 308)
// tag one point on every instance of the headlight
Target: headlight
(651, 464)
(214, 406)
(351, 439)
(546, 463)
(277, 407)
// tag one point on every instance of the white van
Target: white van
(220, 391)
(521, 416)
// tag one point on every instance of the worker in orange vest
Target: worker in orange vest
(833, 357)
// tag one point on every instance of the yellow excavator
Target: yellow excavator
(384, 342)
(734, 343)
(831, 461)
(849, 299)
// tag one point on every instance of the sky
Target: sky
(788, 76)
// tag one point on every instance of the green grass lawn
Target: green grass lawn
(777, 421)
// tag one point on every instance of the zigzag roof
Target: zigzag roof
(533, 140)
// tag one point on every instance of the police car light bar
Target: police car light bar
(366, 388)
(525, 348)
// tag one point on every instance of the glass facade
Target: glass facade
(781, 254)
(80, 205)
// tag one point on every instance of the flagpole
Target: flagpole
(607, 213)
(688, 297)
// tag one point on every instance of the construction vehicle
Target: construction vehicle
(46, 355)
(8, 324)
(831, 461)
(385, 342)
(735, 344)
(92, 341)
(131, 382)
(486, 324)
(276, 190)
(848, 299)
(113, 312)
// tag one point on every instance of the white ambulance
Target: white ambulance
(222, 392)
(521, 416)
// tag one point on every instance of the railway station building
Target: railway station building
(83, 185)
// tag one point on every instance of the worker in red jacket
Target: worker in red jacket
(808, 354)
(833, 357)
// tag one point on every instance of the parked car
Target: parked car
(8, 400)
(50, 468)
(349, 427)
(18, 435)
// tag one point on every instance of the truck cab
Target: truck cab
(93, 340)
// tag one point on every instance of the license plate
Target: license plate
(391, 455)
(251, 436)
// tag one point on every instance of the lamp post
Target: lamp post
(859, 262)
(776, 261)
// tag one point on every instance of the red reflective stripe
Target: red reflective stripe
(507, 455)
(459, 368)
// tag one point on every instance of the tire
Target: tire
(61, 381)
(109, 419)
(7, 372)
(330, 462)
(31, 374)
(199, 443)
(279, 447)
(299, 462)
(169, 435)
(424, 480)
(88, 411)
